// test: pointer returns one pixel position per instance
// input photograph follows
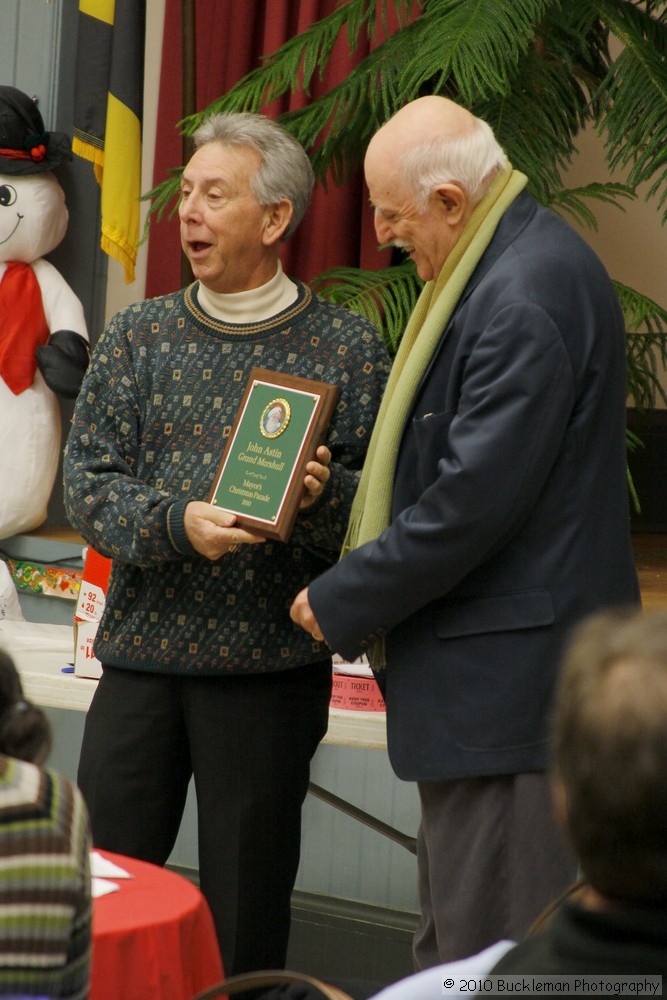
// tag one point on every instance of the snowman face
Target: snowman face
(33, 216)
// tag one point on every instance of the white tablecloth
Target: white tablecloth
(40, 651)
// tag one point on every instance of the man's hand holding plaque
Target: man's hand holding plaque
(274, 462)
(214, 532)
(317, 477)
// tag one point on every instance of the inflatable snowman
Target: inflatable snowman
(44, 347)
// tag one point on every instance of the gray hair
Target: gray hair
(471, 160)
(285, 170)
(610, 752)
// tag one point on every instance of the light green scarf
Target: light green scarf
(371, 510)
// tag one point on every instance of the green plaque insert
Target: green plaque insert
(280, 424)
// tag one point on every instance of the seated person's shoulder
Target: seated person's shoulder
(40, 794)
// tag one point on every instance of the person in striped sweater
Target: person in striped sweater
(45, 902)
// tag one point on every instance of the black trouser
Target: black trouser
(248, 741)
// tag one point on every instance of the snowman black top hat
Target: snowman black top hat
(25, 148)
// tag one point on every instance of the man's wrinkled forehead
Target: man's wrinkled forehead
(219, 163)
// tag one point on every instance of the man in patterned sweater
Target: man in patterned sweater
(204, 672)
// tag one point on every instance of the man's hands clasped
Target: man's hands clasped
(214, 532)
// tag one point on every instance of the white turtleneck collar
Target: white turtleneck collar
(253, 306)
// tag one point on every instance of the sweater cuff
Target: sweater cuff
(176, 529)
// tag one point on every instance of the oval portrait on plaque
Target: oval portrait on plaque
(275, 418)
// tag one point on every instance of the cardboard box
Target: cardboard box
(89, 608)
(86, 663)
(93, 589)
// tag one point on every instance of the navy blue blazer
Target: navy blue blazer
(510, 513)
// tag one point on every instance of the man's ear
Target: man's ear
(276, 221)
(454, 202)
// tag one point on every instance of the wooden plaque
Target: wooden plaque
(280, 423)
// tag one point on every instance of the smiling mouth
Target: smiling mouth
(18, 223)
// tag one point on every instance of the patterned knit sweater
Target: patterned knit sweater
(150, 423)
(45, 910)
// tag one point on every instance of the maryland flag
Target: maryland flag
(108, 104)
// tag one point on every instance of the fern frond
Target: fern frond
(646, 325)
(637, 507)
(634, 98)
(292, 67)
(642, 314)
(569, 201)
(339, 125)
(289, 69)
(363, 16)
(163, 198)
(537, 131)
(336, 127)
(476, 46)
(385, 297)
(549, 100)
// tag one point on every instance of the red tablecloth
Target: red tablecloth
(154, 939)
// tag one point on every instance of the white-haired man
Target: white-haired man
(492, 514)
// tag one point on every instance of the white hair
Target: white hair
(471, 160)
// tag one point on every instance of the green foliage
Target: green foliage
(538, 71)
(476, 46)
(634, 96)
(569, 201)
(385, 297)
(646, 324)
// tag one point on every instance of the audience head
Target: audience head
(25, 731)
(610, 746)
(284, 170)
(426, 169)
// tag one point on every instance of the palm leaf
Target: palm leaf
(537, 70)
(569, 201)
(550, 98)
(385, 297)
(537, 133)
(336, 127)
(292, 67)
(634, 97)
(632, 443)
(646, 323)
(473, 44)
(294, 64)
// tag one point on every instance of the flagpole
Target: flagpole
(188, 97)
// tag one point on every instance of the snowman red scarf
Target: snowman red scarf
(24, 326)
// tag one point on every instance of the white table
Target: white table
(46, 685)
(41, 651)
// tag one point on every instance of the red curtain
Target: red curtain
(232, 36)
